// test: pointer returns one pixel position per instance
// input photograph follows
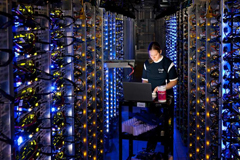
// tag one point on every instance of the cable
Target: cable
(5, 139)
(9, 97)
(128, 76)
(10, 58)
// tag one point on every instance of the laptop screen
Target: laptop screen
(137, 91)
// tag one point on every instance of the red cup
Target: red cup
(162, 94)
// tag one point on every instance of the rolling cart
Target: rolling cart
(161, 132)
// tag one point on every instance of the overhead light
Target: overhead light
(164, 5)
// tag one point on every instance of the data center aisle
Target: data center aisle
(180, 151)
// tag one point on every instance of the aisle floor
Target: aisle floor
(180, 151)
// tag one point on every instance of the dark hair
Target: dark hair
(154, 46)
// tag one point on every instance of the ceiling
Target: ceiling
(128, 8)
(161, 8)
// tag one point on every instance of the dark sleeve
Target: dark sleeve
(144, 73)
(172, 73)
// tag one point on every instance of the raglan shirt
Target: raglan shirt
(158, 72)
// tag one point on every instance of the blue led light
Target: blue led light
(171, 43)
(53, 88)
(53, 109)
(20, 140)
(18, 84)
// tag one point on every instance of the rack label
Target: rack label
(140, 104)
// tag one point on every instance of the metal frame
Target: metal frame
(191, 84)
(6, 81)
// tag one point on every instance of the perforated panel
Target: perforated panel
(32, 66)
(3, 33)
(5, 127)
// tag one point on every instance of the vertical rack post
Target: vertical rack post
(91, 81)
(185, 75)
(69, 74)
(111, 76)
(99, 83)
(114, 70)
(106, 81)
(178, 109)
(80, 78)
(119, 56)
(201, 77)
(6, 85)
(192, 82)
(213, 89)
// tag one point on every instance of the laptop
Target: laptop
(137, 91)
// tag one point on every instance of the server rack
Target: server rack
(56, 80)
(181, 111)
(119, 56)
(204, 83)
(230, 80)
(171, 44)
(171, 47)
(32, 121)
(113, 72)
(109, 77)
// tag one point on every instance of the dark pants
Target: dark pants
(152, 143)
